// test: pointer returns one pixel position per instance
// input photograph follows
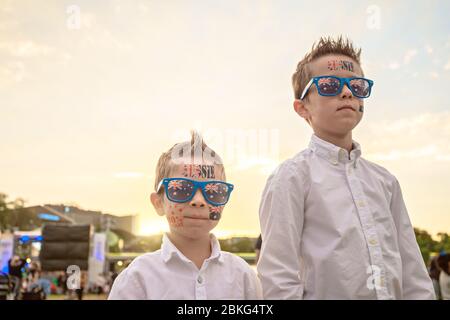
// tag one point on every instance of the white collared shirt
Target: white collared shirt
(167, 274)
(335, 226)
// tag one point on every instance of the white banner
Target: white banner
(6, 250)
(97, 259)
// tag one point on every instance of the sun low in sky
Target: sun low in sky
(93, 92)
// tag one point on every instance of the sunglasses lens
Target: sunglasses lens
(360, 87)
(217, 192)
(328, 86)
(179, 190)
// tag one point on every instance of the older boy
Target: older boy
(191, 192)
(335, 225)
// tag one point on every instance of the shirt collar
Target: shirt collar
(168, 250)
(333, 153)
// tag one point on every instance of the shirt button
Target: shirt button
(361, 203)
(373, 242)
(350, 170)
(200, 279)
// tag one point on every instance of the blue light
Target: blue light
(5, 269)
(49, 217)
(39, 238)
(99, 255)
(24, 239)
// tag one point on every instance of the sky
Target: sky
(93, 92)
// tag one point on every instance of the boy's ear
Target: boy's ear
(300, 109)
(157, 203)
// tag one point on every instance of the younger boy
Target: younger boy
(334, 225)
(191, 192)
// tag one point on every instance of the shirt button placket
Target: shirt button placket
(371, 236)
(343, 154)
(200, 291)
(349, 169)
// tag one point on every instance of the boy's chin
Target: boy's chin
(199, 229)
(193, 231)
(344, 127)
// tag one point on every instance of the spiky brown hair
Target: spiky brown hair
(325, 46)
(186, 150)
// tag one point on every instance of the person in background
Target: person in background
(83, 281)
(434, 275)
(15, 266)
(444, 276)
(258, 248)
(6, 286)
(62, 283)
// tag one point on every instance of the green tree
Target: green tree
(4, 212)
(14, 215)
(426, 244)
(444, 242)
(238, 244)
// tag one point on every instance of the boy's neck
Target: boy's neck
(344, 142)
(197, 250)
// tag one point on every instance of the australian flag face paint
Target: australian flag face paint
(215, 213)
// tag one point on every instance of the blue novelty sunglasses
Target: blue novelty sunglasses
(216, 193)
(329, 86)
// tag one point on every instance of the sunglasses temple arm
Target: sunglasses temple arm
(159, 186)
(306, 88)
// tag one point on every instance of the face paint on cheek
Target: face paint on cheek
(335, 65)
(175, 217)
(215, 213)
(198, 171)
(175, 221)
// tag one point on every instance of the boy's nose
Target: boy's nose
(346, 92)
(198, 200)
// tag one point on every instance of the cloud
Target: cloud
(447, 65)
(6, 7)
(433, 75)
(426, 151)
(409, 55)
(128, 175)
(19, 56)
(25, 49)
(264, 165)
(423, 136)
(407, 58)
(88, 20)
(394, 65)
(13, 71)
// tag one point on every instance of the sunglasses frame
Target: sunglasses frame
(197, 184)
(342, 81)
